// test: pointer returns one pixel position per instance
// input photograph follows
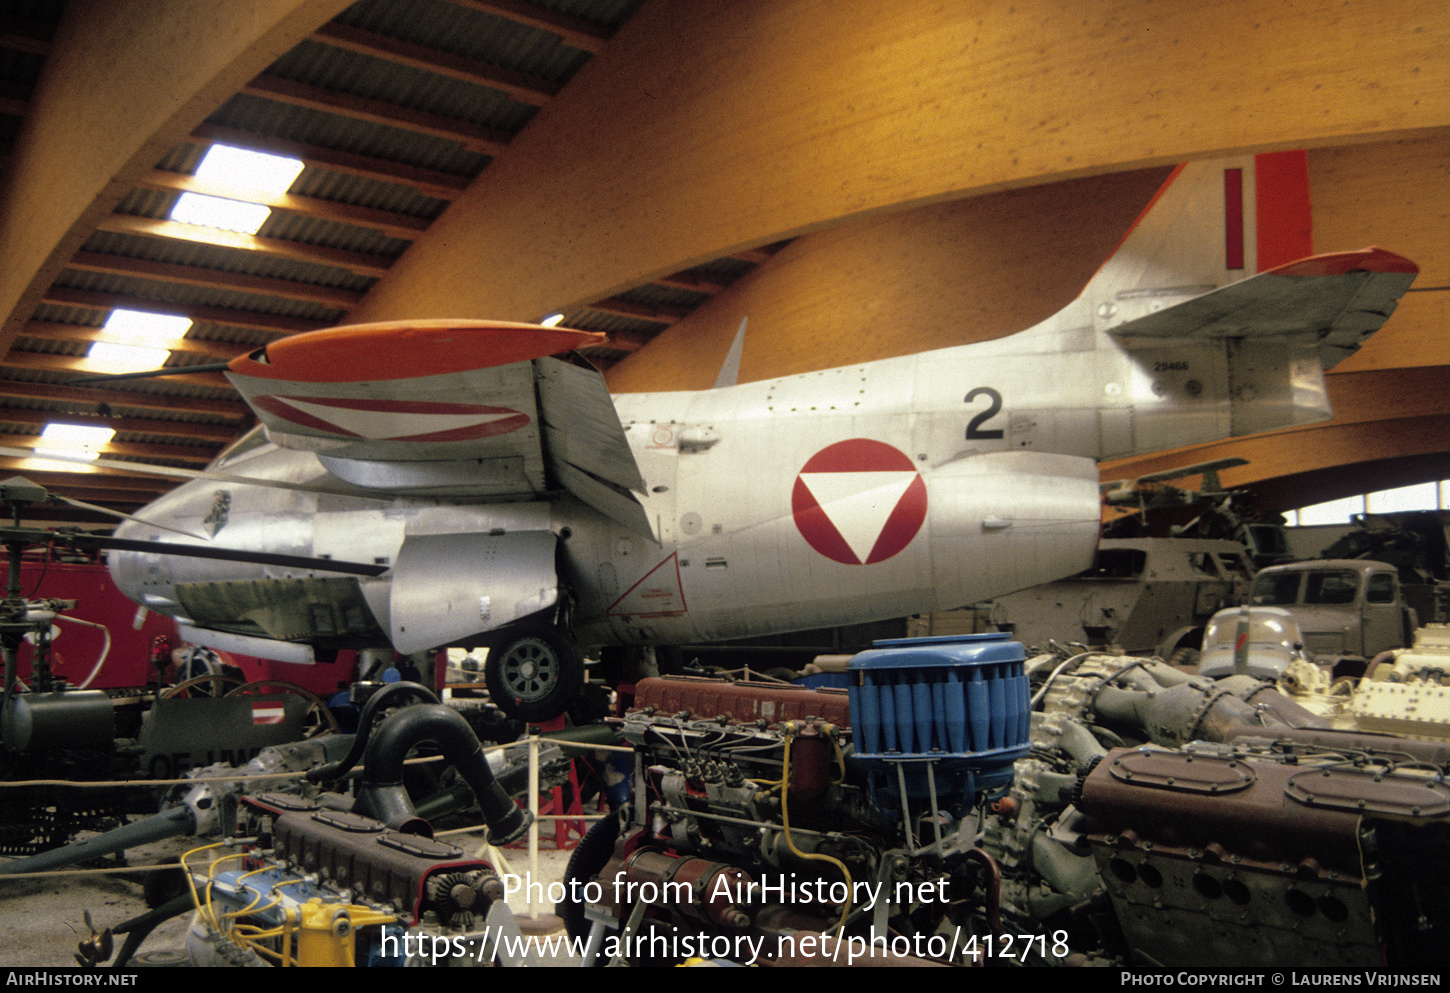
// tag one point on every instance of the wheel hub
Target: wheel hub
(530, 671)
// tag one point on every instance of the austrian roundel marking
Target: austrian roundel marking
(858, 502)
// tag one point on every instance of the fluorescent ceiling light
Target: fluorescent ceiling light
(214, 212)
(137, 327)
(242, 167)
(74, 441)
(126, 358)
(552, 320)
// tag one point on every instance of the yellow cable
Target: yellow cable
(255, 900)
(790, 729)
(210, 912)
(195, 896)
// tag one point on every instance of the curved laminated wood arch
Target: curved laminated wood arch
(124, 83)
(705, 128)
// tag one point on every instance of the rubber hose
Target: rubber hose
(381, 793)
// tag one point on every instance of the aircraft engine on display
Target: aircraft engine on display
(450, 482)
(1148, 818)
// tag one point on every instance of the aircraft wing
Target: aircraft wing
(448, 408)
(1342, 298)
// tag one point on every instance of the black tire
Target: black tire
(535, 675)
(590, 856)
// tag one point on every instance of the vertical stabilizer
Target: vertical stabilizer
(730, 370)
(1212, 223)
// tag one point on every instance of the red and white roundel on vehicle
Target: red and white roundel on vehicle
(858, 502)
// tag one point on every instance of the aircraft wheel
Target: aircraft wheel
(534, 676)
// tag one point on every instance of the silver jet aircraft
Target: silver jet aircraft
(458, 482)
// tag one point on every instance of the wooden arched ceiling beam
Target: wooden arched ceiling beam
(936, 276)
(1351, 479)
(702, 129)
(966, 270)
(1280, 458)
(124, 84)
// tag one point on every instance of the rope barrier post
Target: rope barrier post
(534, 821)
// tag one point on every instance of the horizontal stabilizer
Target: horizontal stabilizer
(1340, 298)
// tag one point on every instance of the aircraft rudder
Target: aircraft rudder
(1212, 223)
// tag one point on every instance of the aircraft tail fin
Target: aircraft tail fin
(730, 369)
(1210, 224)
(1225, 249)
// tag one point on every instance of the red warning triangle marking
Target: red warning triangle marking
(657, 594)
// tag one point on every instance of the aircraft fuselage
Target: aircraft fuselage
(863, 492)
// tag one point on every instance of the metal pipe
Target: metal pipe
(392, 695)
(381, 793)
(168, 824)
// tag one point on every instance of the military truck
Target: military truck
(1145, 595)
(1349, 610)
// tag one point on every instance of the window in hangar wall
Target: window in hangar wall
(1420, 496)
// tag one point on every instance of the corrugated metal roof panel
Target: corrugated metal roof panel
(182, 294)
(50, 346)
(92, 317)
(158, 387)
(222, 259)
(245, 339)
(608, 13)
(326, 184)
(35, 403)
(470, 33)
(726, 270)
(402, 86)
(315, 127)
(166, 438)
(331, 234)
(314, 181)
(593, 320)
(148, 203)
(655, 295)
(184, 157)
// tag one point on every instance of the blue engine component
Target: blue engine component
(954, 707)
